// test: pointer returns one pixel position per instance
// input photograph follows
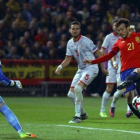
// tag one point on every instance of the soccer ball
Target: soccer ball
(136, 102)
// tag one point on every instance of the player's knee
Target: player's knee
(137, 71)
(109, 88)
(78, 92)
(71, 94)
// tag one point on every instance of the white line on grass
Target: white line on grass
(91, 128)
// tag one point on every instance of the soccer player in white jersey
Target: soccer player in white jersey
(108, 43)
(80, 47)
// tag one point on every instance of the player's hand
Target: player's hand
(87, 61)
(105, 72)
(115, 65)
(57, 71)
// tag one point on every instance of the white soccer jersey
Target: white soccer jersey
(109, 41)
(108, 44)
(82, 49)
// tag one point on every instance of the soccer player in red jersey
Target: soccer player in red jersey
(129, 47)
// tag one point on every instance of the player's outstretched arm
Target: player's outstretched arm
(99, 54)
(65, 63)
(99, 60)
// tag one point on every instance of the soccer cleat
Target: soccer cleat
(75, 120)
(23, 134)
(18, 84)
(125, 84)
(84, 116)
(103, 114)
(112, 111)
(128, 114)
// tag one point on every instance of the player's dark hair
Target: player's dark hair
(123, 20)
(75, 22)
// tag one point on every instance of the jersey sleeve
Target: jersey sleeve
(106, 42)
(91, 46)
(103, 58)
(68, 51)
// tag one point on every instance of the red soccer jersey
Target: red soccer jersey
(129, 51)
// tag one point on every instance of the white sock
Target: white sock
(82, 110)
(117, 95)
(128, 108)
(77, 108)
(113, 104)
(104, 101)
(73, 100)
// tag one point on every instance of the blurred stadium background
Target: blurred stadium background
(34, 35)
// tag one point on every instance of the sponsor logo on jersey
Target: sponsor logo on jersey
(137, 39)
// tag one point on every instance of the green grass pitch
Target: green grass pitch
(48, 118)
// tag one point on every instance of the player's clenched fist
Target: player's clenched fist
(87, 61)
(58, 69)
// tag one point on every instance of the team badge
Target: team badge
(124, 89)
(137, 39)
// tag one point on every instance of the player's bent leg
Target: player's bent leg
(105, 98)
(9, 115)
(71, 95)
(129, 97)
(130, 79)
(129, 113)
(125, 84)
(12, 120)
(117, 95)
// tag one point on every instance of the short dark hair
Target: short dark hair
(123, 20)
(75, 22)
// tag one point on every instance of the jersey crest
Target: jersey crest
(137, 39)
(123, 41)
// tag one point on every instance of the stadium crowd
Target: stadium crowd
(39, 29)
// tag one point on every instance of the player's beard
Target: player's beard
(76, 36)
(127, 34)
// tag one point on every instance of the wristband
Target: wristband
(114, 63)
(60, 67)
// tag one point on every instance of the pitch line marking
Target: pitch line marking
(91, 128)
